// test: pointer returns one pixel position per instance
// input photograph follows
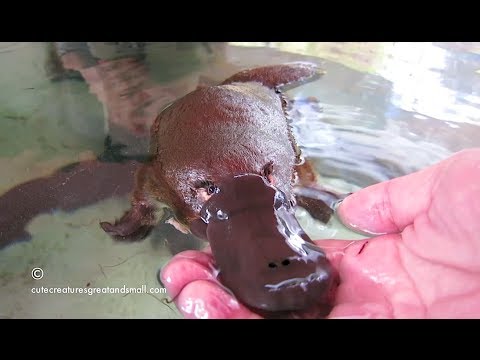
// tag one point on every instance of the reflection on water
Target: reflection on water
(433, 82)
(417, 106)
(382, 110)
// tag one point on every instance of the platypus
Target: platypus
(232, 144)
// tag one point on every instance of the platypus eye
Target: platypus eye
(268, 171)
(212, 189)
(209, 187)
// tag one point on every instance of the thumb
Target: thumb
(390, 206)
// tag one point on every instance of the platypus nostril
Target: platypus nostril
(272, 265)
(286, 262)
(221, 215)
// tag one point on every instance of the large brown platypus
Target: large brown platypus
(224, 159)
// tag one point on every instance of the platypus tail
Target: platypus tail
(279, 77)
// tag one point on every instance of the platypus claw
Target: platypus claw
(118, 234)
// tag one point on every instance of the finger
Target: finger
(390, 206)
(186, 267)
(203, 299)
(334, 249)
(190, 279)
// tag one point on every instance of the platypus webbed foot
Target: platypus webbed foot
(134, 225)
(319, 203)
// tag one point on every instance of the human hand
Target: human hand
(423, 262)
(427, 263)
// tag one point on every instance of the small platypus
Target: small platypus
(231, 147)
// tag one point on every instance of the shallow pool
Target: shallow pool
(383, 110)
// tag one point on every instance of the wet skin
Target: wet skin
(261, 252)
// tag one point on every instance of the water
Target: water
(383, 110)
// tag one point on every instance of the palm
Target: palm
(431, 268)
